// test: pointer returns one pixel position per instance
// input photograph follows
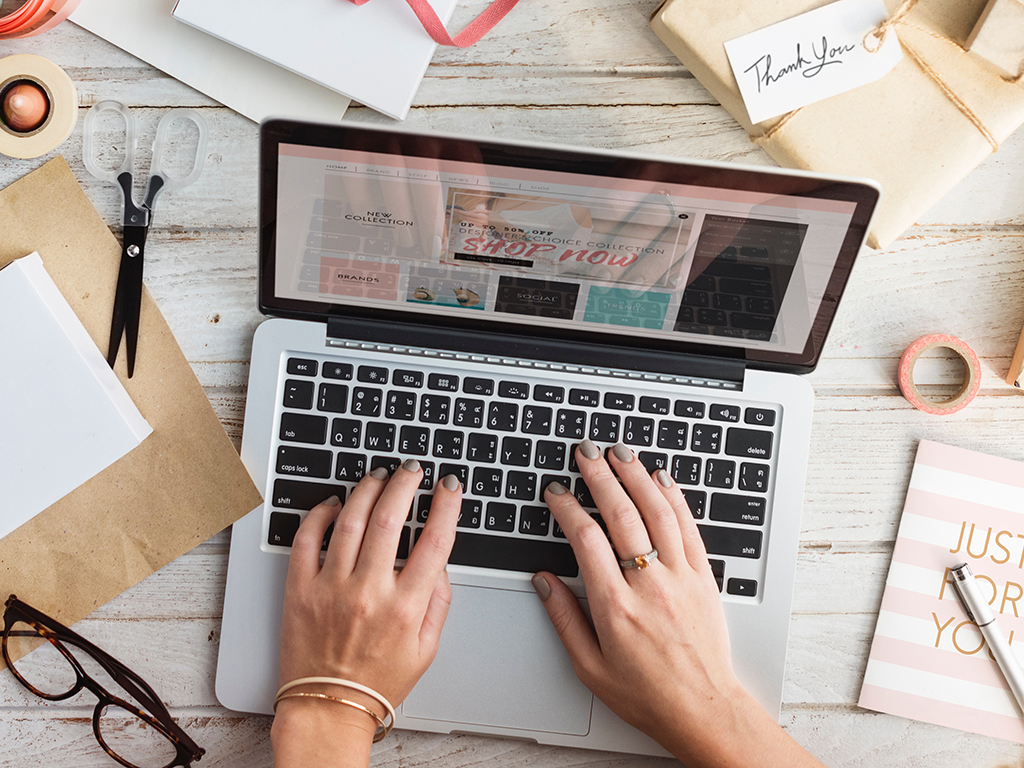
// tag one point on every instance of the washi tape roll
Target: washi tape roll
(968, 390)
(38, 106)
(35, 16)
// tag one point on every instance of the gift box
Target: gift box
(918, 130)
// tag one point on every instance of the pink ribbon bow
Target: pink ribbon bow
(476, 29)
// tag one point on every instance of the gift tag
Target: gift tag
(811, 57)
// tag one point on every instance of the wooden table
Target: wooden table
(586, 72)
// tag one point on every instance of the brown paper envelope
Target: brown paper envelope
(183, 484)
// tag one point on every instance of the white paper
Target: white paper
(375, 53)
(812, 56)
(238, 80)
(64, 415)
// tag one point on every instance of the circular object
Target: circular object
(640, 561)
(968, 390)
(38, 79)
(35, 16)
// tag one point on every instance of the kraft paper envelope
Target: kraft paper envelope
(183, 484)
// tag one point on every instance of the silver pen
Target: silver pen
(980, 613)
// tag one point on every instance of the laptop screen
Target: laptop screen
(562, 244)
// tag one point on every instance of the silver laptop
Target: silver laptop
(483, 307)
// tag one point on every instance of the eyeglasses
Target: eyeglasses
(55, 663)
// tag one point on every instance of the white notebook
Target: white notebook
(64, 415)
(375, 53)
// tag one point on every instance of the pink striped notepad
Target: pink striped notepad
(928, 661)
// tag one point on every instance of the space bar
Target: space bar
(512, 554)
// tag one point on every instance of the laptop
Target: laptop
(484, 306)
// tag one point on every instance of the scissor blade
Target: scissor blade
(117, 318)
(132, 263)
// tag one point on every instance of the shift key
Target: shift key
(305, 462)
(730, 541)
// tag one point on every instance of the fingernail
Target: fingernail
(451, 482)
(589, 450)
(541, 585)
(380, 473)
(556, 488)
(411, 465)
(664, 479)
(622, 453)
(332, 502)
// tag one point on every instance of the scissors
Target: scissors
(137, 217)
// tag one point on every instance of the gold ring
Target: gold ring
(640, 561)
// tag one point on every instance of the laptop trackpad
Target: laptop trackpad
(501, 664)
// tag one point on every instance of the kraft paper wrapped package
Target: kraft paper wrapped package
(917, 132)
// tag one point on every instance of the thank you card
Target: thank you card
(811, 57)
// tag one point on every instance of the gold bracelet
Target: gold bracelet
(382, 730)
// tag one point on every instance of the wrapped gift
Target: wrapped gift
(998, 37)
(918, 130)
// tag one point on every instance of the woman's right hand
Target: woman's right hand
(656, 648)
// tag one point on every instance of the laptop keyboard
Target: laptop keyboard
(507, 433)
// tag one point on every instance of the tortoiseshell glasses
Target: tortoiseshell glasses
(133, 727)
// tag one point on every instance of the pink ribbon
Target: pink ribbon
(476, 29)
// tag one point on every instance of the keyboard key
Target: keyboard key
(762, 417)
(718, 569)
(448, 444)
(372, 374)
(696, 501)
(389, 463)
(546, 480)
(307, 462)
(604, 427)
(729, 508)
(658, 405)
(618, 401)
(298, 394)
(706, 439)
(672, 435)
(482, 447)
(755, 443)
(719, 473)
(350, 467)
(637, 431)
(461, 471)
(404, 378)
(582, 494)
(724, 412)
(686, 470)
(689, 409)
(473, 386)
(283, 527)
(516, 451)
(468, 413)
(380, 437)
(470, 514)
(423, 508)
(401, 406)
(588, 397)
(500, 517)
(513, 554)
(366, 401)
(754, 477)
(742, 587)
(544, 393)
(536, 420)
(434, 408)
(516, 390)
(414, 440)
(443, 381)
(534, 521)
(403, 544)
(653, 461)
(346, 433)
(298, 366)
(521, 486)
(549, 455)
(503, 417)
(427, 483)
(303, 428)
(333, 398)
(294, 494)
(337, 371)
(571, 424)
(731, 541)
(487, 481)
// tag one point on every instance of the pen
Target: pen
(980, 613)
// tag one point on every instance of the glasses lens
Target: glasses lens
(40, 664)
(135, 740)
